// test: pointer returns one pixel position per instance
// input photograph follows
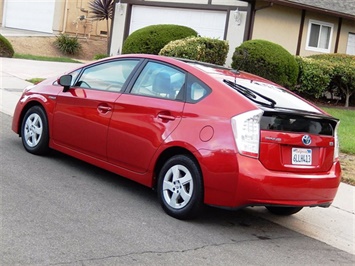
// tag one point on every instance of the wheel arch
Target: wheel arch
(167, 154)
(24, 111)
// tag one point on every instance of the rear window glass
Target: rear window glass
(282, 97)
(297, 123)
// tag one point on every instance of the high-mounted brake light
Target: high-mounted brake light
(246, 129)
(336, 143)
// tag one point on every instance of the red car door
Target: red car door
(145, 117)
(83, 113)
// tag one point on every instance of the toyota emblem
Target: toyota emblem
(306, 140)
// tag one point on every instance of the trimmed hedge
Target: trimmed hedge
(268, 60)
(151, 39)
(326, 72)
(198, 48)
(6, 49)
(314, 77)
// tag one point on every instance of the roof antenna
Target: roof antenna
(241, 62)
(236, 73)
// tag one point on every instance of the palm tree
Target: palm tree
(102, 10)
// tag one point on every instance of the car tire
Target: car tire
(34, 131)
(283, 210)
(180, 189)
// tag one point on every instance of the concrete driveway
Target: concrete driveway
(14, 73)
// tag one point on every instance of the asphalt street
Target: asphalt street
(59, 210)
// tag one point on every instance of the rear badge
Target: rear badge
(306, 140)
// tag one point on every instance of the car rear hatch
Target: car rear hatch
(287, 133)
(296, 141)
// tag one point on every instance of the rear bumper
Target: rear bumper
(255, 185)
(292, 189)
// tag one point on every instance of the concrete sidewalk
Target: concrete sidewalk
(14, 73)
(334, 225)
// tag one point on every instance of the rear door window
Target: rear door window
(160, 81)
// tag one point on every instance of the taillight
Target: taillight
(336, 143)
(246, 129)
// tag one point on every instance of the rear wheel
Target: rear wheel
(180, 188)
(34, 131)
(283, 210)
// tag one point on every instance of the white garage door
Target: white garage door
(36, 15)
(206, 23)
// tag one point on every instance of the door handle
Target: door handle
(166, 117)
(104, 109)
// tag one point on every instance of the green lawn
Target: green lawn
(346, 129)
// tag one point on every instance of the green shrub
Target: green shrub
(151, 39)
(268, 60)
(314, 77)
(342, 72)
(334, 58)
(100, 56)
(198, 48)
(6, 49)
(67, 45)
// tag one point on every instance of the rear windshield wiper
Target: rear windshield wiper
(250, 94)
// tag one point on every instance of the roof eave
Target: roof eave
(311, 8)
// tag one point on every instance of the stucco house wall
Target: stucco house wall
(282, 24)
(277, 24)
(76, 19)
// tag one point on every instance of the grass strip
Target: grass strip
(346, 130)
(45, 58)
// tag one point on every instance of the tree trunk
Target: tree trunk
(347, 97)
(347, 93)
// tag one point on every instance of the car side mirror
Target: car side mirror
(65, 81)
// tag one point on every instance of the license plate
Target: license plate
(301, 156)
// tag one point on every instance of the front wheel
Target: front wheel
(180, 188)
(283, 210)
(34, 131)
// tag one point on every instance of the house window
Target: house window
(319, 36)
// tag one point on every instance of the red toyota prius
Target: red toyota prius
(197, 133)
